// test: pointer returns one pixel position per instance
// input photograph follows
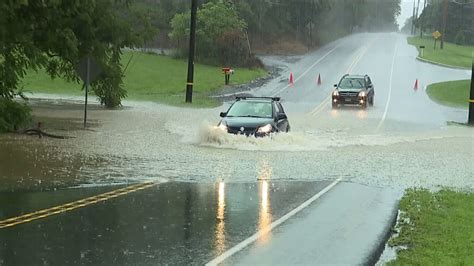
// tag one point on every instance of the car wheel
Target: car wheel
(288, 128)
(372, 101)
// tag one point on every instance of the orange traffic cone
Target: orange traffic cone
(416, 85)
(291, 79)
(319, 79)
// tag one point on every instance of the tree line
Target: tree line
(275, 26)
(54, 35)
(459, 20)
(459, 27)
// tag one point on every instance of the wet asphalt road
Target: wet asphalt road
(182, 223)
(402, 141)
(170, 223)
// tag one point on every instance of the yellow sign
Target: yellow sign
(436, 34)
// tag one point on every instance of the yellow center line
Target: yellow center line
(73, 205)
(351, 67)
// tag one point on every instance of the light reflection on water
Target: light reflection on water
(265, 212)
(361, 114)
(264, 209)
(219, 242)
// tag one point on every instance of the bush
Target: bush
(460, 38)
(109, 88)
(13, 115)
(219, 35)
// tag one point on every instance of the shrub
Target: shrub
(460, 38)
(219, 36)
(13, 115)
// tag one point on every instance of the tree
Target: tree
(459, 22)
(219, 28)
(307, 22)
(56, 34)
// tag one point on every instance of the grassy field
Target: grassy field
(452, 54)
(154, 77)
(450, 93)
(437, 229)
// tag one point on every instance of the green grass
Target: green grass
(452, 54)
(440, 229)
(156, 78)
(450, 93)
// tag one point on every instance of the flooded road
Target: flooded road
(150, 142)
(404, 140)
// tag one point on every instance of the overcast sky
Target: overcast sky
(406, 12)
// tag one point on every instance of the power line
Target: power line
(459, 3)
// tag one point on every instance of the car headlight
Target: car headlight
(265, 129)
(362, 94)
(222, 127)
(335, 93)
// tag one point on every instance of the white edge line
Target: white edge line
(321, 107)
(276, 223)
(389, 88)
(307, 70)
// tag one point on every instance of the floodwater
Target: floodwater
(405, 140)
(152, 142)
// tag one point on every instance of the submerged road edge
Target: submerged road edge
(377, 253)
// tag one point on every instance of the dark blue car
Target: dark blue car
(256, 116)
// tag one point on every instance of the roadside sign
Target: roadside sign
(436, 34)
(88, 70)
(94, 69)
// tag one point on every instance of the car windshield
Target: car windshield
(251, 109)
(352, 83)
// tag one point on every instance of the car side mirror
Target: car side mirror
(223, 114)
(371, 86)
(282, 116)
(335, 85)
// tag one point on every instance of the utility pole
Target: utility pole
(413, 19)
(445, 14)
(192, 47)
(376, 12)
(421, 22)
(88, 79)
(470, 120)
(417, 12)
(417, 9)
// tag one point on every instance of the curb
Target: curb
(455, 123)
(441, 64)
(377, 253)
